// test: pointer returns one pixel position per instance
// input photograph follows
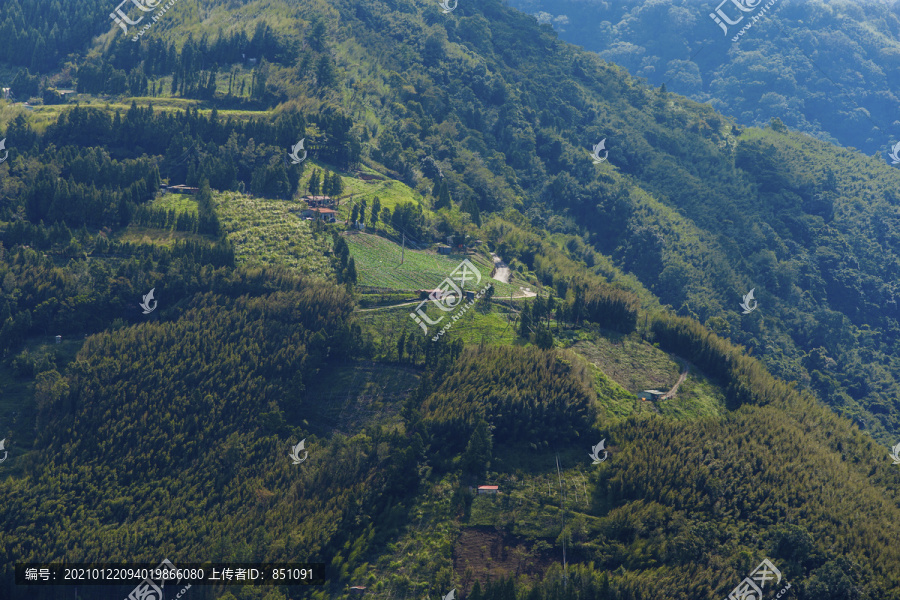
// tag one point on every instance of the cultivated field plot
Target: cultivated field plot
(265, 232)
(378, 264)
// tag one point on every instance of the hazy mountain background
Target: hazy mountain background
(828, 68)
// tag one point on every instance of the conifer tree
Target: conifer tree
(376, 208)
(337, 185)
(468, 205)
(477, 457)
(350, 274)
(443, 199)
(314, 183)
(401, 343)
(525, 321)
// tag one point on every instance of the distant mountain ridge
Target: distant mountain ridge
(830, 68)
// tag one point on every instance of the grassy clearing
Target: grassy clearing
(625, 365)
(477, 327)
(39, 117)
(390, 192)
(629, 361)
(378, 265)
(385, 325)
(180, 203)
(265, 232)
(697, 397)
(160, 103)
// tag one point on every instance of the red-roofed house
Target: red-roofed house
(326, 214)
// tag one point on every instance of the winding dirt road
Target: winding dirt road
(671, 393)
(501, 269)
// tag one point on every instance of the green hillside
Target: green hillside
(166, 432)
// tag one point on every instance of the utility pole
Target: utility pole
(403, 249)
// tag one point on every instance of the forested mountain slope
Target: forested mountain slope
(167, 435)
(700, 212)
(824, 67)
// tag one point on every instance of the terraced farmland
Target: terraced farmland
(378, 264)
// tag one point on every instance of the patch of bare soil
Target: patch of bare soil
(485, 554)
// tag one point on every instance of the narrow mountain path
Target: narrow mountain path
(501, 269)
(684, 374)
(520, 294)
(388, 306)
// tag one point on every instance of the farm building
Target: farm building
(318, 201)
(443, 249)
(327, 214)
(488, 489)
(651, 395)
